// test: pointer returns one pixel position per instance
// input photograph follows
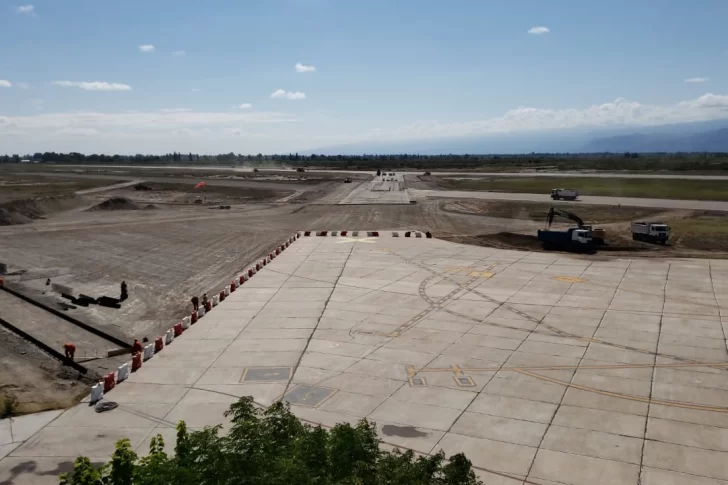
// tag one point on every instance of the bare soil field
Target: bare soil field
(170, 247)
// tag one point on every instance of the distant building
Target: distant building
(25, 161)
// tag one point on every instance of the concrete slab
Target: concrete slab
(538, 379)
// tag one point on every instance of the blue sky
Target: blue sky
(74, 74)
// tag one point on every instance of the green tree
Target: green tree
(272, 447)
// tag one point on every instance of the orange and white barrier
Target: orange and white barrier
(122, 372)
(109, 381)
(136, 362)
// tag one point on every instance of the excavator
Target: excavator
(581, 235)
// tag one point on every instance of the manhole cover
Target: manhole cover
(305, 395)
(266, 374)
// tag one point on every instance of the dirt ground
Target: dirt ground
(179, 247)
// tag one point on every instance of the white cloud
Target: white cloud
(177, 53)
(620, 112)
(4, 83)
(25, 10)
(697, 80)
(146, 48)
(538, 30)
(281, 94)
(93, 86)
(245, 106)
(142, 121)
(304, 68)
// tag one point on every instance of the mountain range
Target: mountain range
(709, 136)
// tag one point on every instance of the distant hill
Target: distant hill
(700, 136)
(706, 141)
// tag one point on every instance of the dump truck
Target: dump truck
(650, 232)
(572, 238)
(565, 194)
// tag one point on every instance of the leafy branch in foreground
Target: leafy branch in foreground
(272, 447)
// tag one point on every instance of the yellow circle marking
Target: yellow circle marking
(569, 279)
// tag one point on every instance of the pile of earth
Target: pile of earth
(115, 204)
(27, 210)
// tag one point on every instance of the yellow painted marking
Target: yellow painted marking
(410, 371)
(569, 279)
(629, 397)
(370, 240)
(481, 274)
(459, 370)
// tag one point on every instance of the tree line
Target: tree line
(534, 161)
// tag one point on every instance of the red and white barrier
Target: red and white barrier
(200, 311)
(148, 351)
(168, 337)
(136, 362)
(185, 323)
(158, 344)
(109, 381)
(215, 300)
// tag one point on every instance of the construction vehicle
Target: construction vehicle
(650, 232)
(574, 237)
(565, 194)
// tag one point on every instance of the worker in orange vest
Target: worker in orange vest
(70, 350)
(138, 347)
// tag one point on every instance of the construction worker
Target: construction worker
(138, 347)
(204, 299)
(195, 303)
(124, 293)
(70, 350)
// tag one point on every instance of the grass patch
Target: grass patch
(536, 211)
(613, 187)
(8, 406)
(704, 231)
(26, 187)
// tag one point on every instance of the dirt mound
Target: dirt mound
(115, 204)
(27, 210)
